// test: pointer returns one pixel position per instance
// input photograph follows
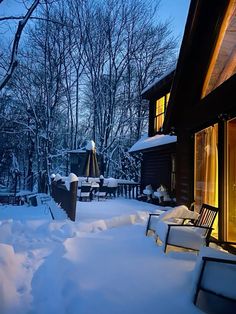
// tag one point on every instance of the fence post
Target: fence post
(73, 200)
(67, 199)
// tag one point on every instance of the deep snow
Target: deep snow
(102, 263)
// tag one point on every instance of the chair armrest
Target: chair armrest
(149, 220)
(218, 260)
(226, 245)
(154, 214)
(221, 242)
(187, 226)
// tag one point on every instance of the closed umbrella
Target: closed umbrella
(91, 168)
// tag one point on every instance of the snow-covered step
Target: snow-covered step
(56, 210)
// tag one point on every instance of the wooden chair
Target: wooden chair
(102, 192)
(85, 192)
(191, 235)
(149, 226)
(151, 215)
(111, 191)
(214, 281)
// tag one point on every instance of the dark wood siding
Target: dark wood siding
(152, 109)
(185, 169)
(156, 166)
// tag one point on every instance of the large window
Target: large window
(231, 181)
(161, 105)
(206, 169)
(223, 62)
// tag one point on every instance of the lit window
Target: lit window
(161, 105)
(206, 169)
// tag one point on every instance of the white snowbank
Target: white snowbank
(102, 263)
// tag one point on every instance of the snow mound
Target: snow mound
(102, 224)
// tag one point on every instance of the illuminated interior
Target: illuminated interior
(161, 105)
(223, 62)
(231, 181)
(206, 170)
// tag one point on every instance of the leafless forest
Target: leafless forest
(74, 71)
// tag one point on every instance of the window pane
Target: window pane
(206, 168)
(231, 181)
(160, 110)
(223, 62)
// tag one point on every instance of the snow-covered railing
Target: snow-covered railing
(122, 187)
(64, 192)
(128, 189)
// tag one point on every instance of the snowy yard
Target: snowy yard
(103, 263)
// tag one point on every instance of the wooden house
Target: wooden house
(202, 112)
(77, 159)
(158, 150)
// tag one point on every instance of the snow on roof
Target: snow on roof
(146, 142)
(157, 80)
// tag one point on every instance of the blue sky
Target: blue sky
(169, 9)
(173, 10)
(176, 11)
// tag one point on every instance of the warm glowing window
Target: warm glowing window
(231, 181)
(206, 168)
(161, 105)
(223, 63)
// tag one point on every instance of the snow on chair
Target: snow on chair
(162, 194)
(148, 191)
(170, 214)
(112, 185)
(191, 235)
(214, 280)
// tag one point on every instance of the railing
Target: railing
(128, 189)
(66, 198)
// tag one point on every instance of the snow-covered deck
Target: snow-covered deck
(102, 263)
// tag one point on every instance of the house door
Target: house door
(231, 180)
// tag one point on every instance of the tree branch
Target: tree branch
(6, 18)
(13, 61)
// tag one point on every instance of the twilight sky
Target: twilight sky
(175, 10)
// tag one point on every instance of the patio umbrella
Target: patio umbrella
(91, 168)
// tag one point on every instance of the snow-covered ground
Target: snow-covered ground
(101, 264)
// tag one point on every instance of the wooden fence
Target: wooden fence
(66, 198)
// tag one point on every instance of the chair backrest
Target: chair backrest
(206, 216)
(103, 189)
(85, 188)
(214, 279)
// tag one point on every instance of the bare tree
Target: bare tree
(80, 76)
(14, 51)
(124, 51)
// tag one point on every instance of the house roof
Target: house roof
(146, 142)
(158, 87)
(200, 36)
(76, 151)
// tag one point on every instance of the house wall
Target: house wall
(204, 114)
(77, 162)
(185, 168)
(156, 166)
(188, 112)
